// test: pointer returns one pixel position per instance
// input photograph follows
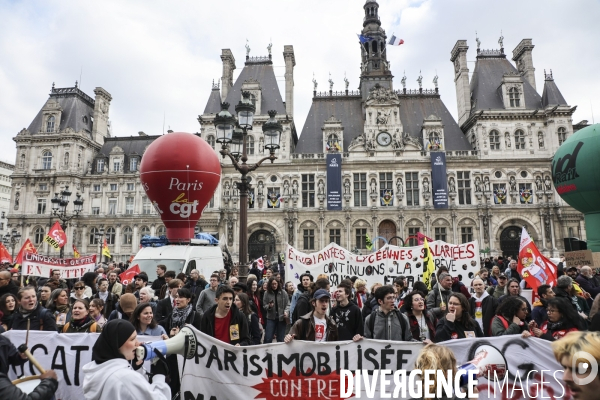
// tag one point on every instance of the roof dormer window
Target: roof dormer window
(100, 165)
(50, 124)
(514, 97)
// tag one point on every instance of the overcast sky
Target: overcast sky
(158, 58)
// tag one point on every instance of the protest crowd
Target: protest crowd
(267, 308)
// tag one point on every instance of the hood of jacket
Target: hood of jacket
(96, 376)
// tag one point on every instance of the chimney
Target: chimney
(524, 60)
(461, 80)
(228, 68)
(101, 108)
(290, 63)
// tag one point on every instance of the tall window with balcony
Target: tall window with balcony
(309, 239)
(41, 206)
(464, 187)
(308, 190)
(412, 188)
(519, 139)
(47, 160)
(335, 236)
(494, 140)
(127, 235)
(360, 191)
(386, 189)
(129, 203)
(112, 206)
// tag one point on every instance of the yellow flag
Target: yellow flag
(368, 242)
(428, 265)
(105, 250)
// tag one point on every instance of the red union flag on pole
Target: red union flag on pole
(533, 266)
(127, 276)
(5, 255)
(28, 247)
(56, 237)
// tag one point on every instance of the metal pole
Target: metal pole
(243, 188)
(62, 249)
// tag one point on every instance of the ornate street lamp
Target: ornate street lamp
(234, 145)
(11, 240)
(59, 209)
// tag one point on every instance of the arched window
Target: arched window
(66, 159)
(514, 97)
(494, 140)
(93, 239)
(38, 235)
(562, 135)
(211, 140)
(127, 235)
(161, 231)
(50, 124)
(110, 236)
(144, 231)
(250, 144)
(47, 160)
(519, 139)
(22, 162)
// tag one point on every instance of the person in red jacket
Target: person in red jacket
(562, 319)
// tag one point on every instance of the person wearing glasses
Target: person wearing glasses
(510, 318)
(78, 293)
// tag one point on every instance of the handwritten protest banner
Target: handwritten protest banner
(384, 265)
(40, 265)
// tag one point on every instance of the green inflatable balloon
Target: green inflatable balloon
(576, 175)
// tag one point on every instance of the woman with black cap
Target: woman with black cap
(110, 375)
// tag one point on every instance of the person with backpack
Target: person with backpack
(315, 326)
(387, 322)
(305, 281)
(437, 298)
(40, 319)
(81, 322)
(510, 318)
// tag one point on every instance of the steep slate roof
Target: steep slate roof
(414, 109)
(347, 109)
(213, 105)
(75, 105)
(486, 81)
(551, 95)
(270, 95)
(132, 145)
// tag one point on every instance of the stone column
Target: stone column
(135, 240)
(117, 239)
(84, 239)
(541, 214)
(454, 227)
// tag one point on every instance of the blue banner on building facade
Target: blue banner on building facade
(439, 185)
(334, 181)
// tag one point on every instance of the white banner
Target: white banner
(384, 265)
(40, 265)
(221, 371)
(66, 353)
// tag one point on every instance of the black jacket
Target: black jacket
(10, 287)
(196, 287)
(488, 309)
(502, 298)
(41, 320)
(164, 308)
(207, 325)
(193, 319)
(8, 355)
(158, 283)
(109, 305)
(446, 330)
(415, 328)
(44, 391)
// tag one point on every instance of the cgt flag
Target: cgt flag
(128, 276)
(27, 247)
(56, 237)
(533, 266)
(76, 252)
(105, 250)
(428, 265)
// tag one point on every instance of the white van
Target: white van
(199, 255)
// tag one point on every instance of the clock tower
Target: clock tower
(383, 127)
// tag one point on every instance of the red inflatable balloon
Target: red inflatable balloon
(180, 172)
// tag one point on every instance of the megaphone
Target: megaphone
(488, 362)
(175, 345)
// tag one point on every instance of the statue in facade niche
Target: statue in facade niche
(513, 184)
(260, 188)
(321, 187)
(226, 188)
(425, 185)
(451, 185)
(396, 143)
(399, 185)
(373, 186)
(486, 184)
(548, 183)
(286, 188)
(295, 187)
(478, 184)
(346, 186)
(507, 140)
(538, 183)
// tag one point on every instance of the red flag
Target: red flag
(127, 276)
(533, 266)
(27, 247)
(5, 255)
(56, 237)
(422, 238)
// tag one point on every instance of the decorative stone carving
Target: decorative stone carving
(513, 184)
(548, 183)
(538, 184)
(379, 94)
(478, 188)
(451, 185)
(409, 140)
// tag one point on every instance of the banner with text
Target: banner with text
(384, 265)
(334, 181)
(221, 371)
(439, 185)
(65, 353)
(40, 265)
(297, 371)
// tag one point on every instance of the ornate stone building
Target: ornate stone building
(498, 159)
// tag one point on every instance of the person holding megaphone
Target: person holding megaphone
(111, 376)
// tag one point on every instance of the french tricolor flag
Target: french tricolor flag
(394, 41)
